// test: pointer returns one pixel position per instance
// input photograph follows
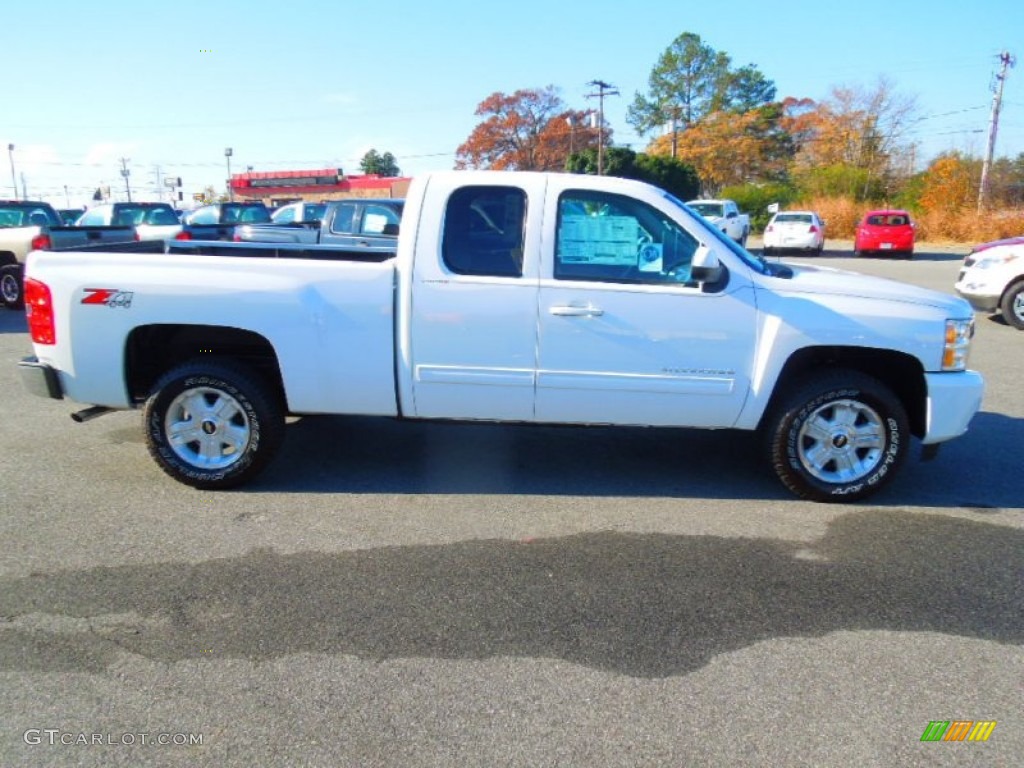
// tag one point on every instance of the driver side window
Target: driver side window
(612, 238)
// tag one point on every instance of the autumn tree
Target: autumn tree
(382, 165)
(692, 80)
(529, 130)
(949, 185)
(856, 138)
(731, 148)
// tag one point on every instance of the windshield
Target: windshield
(748, 258)
(708, 209)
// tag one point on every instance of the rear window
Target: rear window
(483, 231)
(889, 220)
(245, 214)
(794, 218)
(14, 215)
(134, 215)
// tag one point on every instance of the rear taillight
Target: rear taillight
(236, 238)
(40, 243)
(183, 235)
(39, 311)
(814, 229)
(769, 228)
(138, 238)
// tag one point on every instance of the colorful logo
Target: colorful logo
(958, 730)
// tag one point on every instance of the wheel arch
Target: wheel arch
(152, 350)
(1011, 285)
(8, 257)
(900, 372)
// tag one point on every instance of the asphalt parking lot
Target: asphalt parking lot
(395, 594)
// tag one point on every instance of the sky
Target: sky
(310, 84)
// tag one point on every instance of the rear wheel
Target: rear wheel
(11, 286)
(1012, 306)
(838, 437)
(213, 424)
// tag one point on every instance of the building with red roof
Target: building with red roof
(282, 187)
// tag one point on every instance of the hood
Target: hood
(998, 243)
(839, 282)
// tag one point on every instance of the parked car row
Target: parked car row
(879, 232)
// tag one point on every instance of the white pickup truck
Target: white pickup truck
(514, 297)
(725, 215)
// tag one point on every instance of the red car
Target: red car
(885, 232)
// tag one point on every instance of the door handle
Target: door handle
(573, 311)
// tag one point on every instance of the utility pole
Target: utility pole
(228, 152)
(126, 173)
(993, 127)
(603, 89)
(14, 179)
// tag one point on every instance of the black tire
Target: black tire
(240, 431)
(1012, 305)
(821, 250)
(810, 434)
(12, 290)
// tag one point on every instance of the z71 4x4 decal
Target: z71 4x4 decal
(108, 297)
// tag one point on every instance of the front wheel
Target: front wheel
(839, 437)
(11, 286)
(213, 424)
(1012, 306)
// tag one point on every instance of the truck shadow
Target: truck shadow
(13, 321)
(377, 455)
(643, 605)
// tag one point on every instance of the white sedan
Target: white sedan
(794, 231)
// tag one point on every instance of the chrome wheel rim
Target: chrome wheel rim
(841, 442)
(9, 288)
(1018, 306)
(207, 428)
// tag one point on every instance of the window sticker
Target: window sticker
(609, 240)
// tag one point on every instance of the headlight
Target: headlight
(988, 262)
(957, 344)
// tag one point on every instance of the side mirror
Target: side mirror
(706, 268)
